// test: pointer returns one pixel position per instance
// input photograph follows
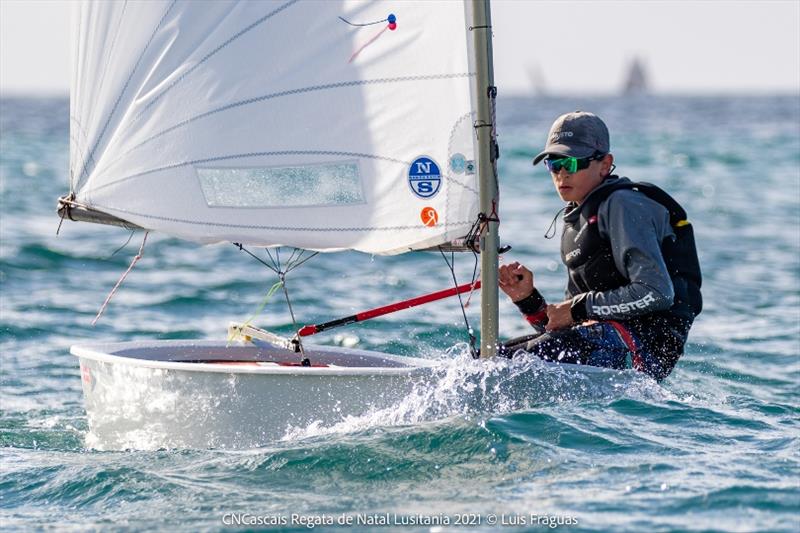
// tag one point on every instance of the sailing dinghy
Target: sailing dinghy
(321, 126)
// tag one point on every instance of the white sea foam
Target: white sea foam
(465, 386)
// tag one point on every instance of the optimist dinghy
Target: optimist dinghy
(179, 394)
(321, 126)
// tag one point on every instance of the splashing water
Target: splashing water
(465, 387)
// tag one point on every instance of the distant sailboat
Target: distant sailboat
(636, 78)
(536, 80)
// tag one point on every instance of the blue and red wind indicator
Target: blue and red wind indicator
(391, 25)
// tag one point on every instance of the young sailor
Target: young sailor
(634, 278)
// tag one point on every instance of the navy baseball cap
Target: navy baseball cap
(578, 134)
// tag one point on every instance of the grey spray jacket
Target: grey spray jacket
(630, 252)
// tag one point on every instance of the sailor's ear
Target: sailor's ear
(605, 164)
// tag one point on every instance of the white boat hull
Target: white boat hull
(205, 394)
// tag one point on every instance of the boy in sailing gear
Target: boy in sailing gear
(634, 279)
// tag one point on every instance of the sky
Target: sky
(577, 47)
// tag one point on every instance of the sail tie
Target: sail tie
(65, 205)
(111, 294)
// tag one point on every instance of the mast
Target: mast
(487, 176)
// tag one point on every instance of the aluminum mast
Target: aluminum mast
(487, 177)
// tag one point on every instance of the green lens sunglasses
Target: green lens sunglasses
(571, 164)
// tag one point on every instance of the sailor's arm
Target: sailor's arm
(635, 226)
(517, 282)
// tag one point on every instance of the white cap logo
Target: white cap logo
(558, 135)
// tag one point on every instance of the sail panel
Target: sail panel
(319, 125)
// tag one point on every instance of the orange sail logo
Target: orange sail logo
(429, 216)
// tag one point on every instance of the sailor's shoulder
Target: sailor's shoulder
(631, 209)
(630, 196)
(630, 199)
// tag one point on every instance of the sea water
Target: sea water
(512, 446)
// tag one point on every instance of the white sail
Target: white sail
(319, 125)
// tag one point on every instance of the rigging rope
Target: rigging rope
(264, 302)
(123, 246)
(234, 334)
(305, 360)
(296, 259)
(111, 294)
(470, 333)
(64, 206)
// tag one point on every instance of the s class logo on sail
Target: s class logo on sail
(424, 177)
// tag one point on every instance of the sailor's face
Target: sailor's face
(576, 187)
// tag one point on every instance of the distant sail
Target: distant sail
(636, 80)
(536, 80)
(321, 125)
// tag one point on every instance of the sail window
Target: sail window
(290, 186)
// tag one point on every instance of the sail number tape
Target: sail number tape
(424, 177)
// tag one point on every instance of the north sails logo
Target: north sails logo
(557, 135)
(641, 303)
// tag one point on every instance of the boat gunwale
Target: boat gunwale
(94, 352)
